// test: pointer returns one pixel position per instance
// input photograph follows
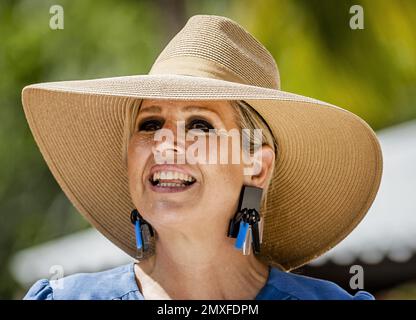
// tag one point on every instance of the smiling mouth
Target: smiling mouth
(171, 180)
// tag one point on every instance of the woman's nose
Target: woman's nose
(170, 140)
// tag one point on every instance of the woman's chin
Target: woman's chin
(170, 213)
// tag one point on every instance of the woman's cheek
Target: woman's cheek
(139, 150)
(224, 178)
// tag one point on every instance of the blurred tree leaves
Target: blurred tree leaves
(371, 72)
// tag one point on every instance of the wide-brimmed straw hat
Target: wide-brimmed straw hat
(328, 164)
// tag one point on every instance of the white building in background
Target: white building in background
(83, 251)
(388, 230)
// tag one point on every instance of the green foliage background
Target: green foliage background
(371, 72)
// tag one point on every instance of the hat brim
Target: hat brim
(328, 166)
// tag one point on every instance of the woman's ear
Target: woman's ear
(262, 165)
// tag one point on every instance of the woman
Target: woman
(143, 158)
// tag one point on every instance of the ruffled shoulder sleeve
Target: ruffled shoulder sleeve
(118, 283)
(40, 290)
(363, 295)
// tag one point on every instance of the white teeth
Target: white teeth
(169, 184)
(171, 175)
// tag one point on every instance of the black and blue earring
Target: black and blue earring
(246, 225)
(144, 232)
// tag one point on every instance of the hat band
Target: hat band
(195, 66)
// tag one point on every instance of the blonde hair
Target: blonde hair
(247, 117)
(132, 111)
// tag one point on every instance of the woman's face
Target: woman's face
(216, 186)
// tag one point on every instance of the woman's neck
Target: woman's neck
(200, 272)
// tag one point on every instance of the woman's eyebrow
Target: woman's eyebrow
(151, 109)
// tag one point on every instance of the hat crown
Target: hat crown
(217, 47)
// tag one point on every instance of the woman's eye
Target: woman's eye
(154, 124)
(201, 125)
(150, 125)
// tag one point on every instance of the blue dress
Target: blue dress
(120, 284)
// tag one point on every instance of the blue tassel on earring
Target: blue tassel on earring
(139, 242)
(242, 234)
